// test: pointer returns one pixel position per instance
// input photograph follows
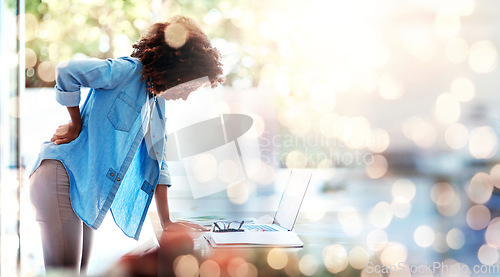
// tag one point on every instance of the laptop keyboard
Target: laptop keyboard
(259, 227)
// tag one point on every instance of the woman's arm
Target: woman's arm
(164, 214)
(71, 75)
(161, 200)
(70, 131)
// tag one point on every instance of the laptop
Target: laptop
(277, 234)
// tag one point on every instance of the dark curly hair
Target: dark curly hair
(175, 52)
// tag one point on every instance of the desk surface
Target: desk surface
(307, 260)
(360, 229)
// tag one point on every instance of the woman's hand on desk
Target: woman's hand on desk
(66, 133)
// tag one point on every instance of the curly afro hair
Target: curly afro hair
(176, 52)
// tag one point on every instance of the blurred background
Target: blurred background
(393, 104)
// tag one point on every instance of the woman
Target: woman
(110, 155)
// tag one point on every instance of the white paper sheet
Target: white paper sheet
(254, 239)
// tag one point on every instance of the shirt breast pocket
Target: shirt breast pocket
(123, 113)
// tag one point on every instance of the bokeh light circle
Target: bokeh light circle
(400, 207)
(447, 108)
(483, 142)
(246, 270)
(480, 188)
(335, 258)
(491, 235)
(358, 257)
(446, 198)
(376, 240)
(463, 89)
(456, 136)
(394, 253)
(495, 175)
(176, 35)
(277, 258)
(239, 193)
(487, 255)
(209, 268)
(228, 171)
(380, 140)
(421, 132)
(204, 167)
(455, 238)
(424, 236)
(308, 265)
(483, 56)
(46, 71)
(381, 215)
(296, 159)
(390, 88)
(478, 217)
(378, 168)
(30, 58)
(404, 188)
(186, 266)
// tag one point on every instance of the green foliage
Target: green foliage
(11, 5)
(61, 30)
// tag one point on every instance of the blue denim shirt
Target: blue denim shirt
(118, 158)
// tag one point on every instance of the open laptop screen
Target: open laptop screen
(291, 199)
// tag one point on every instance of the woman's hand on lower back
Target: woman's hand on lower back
(66, 133)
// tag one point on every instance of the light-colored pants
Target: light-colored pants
(66, 240)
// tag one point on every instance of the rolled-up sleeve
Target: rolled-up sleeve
(68, 98)
(164, 175)
(91, 73)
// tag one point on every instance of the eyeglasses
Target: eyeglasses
(227, 226)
